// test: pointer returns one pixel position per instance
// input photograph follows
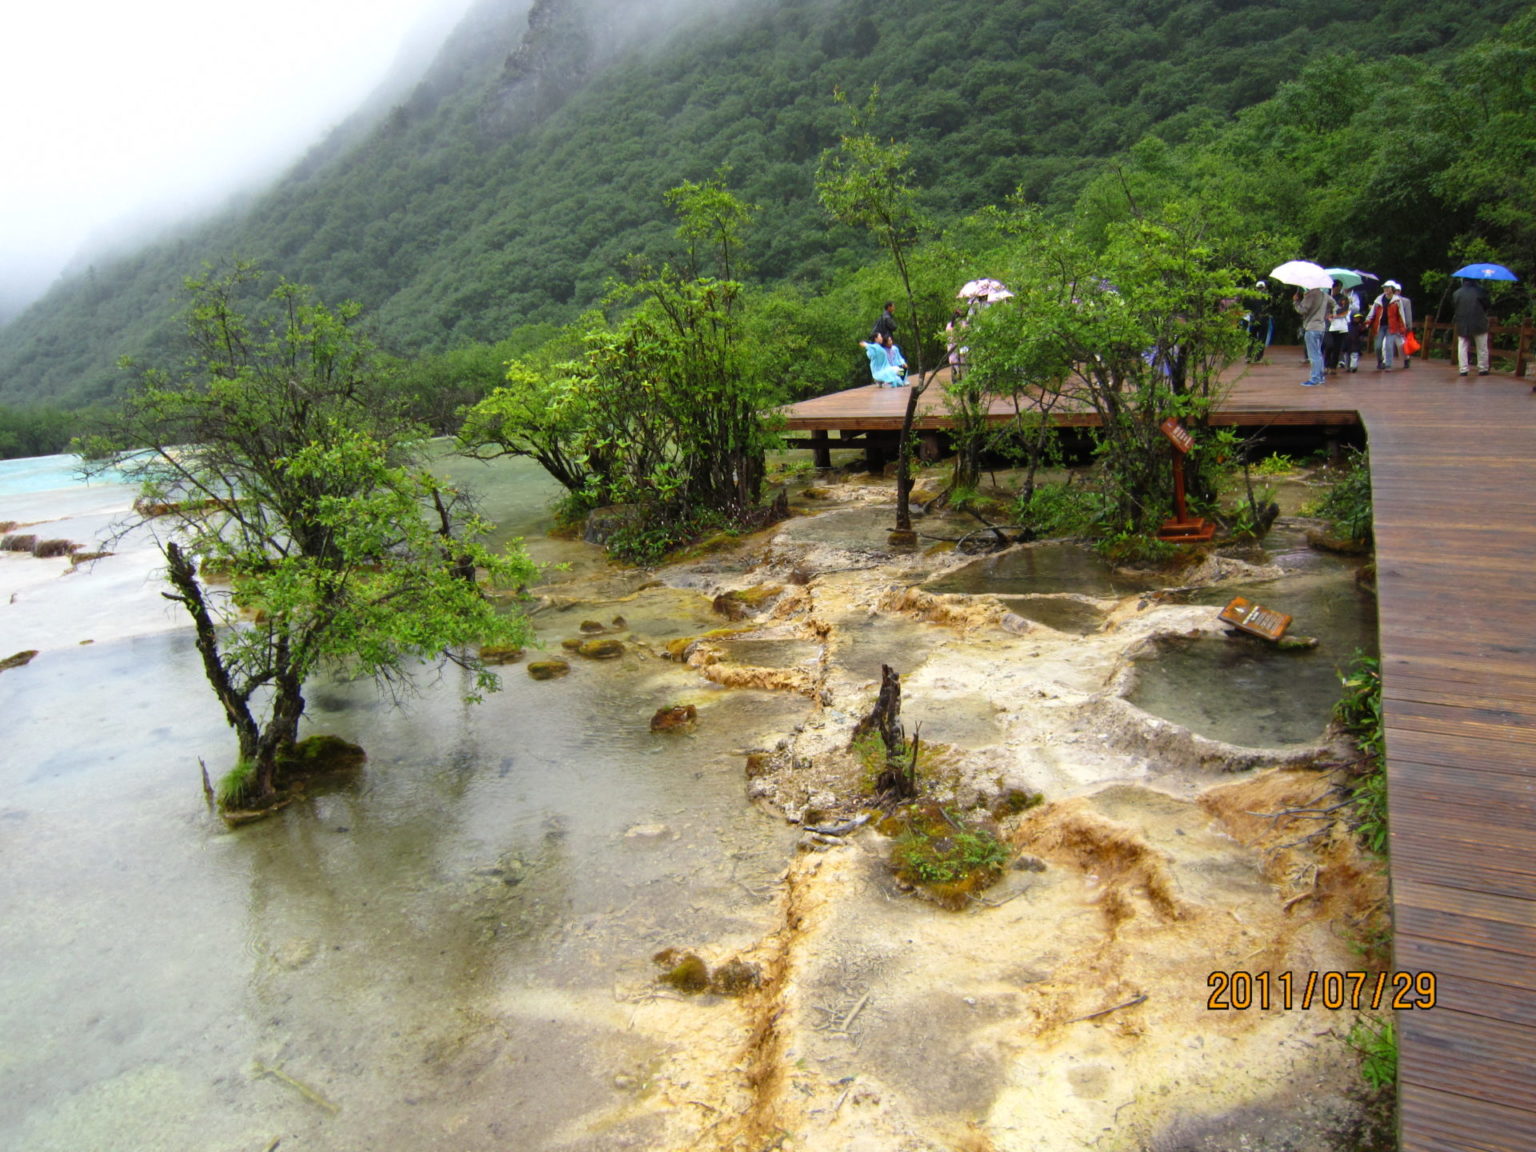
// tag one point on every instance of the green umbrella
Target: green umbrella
(1348, 277)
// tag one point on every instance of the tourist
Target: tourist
(885, 323)
(1259, 323)
(1312, 306)
(881, 371)
(1338, 328)
(1354, 340)
(1471, 304)
(1390, 319)
(895, 359)
(952, 336)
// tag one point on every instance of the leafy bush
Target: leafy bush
(1062, 510)
(1359, 713)
(1376, 1041)
(1347, 507)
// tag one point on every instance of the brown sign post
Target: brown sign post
(1183, 528)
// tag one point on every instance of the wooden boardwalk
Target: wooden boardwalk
(1453, 472)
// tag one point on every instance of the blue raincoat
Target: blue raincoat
(881, 369)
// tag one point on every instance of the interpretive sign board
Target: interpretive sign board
(1254, 618)
(1179, 434)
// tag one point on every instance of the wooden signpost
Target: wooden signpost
(1183, 528)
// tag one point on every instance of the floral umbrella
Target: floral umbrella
(982, 290)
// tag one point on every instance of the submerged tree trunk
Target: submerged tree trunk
(282, 727)
(236, 703)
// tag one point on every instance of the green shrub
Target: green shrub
(1347, 507)
(1376, 1041)
(1359, 713)
(1062, 510)
(234, 786)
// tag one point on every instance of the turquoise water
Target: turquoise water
(45, 474)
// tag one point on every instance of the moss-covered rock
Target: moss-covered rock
(606, 648)
(685, 971)
(547, 669)
(317, 755)
(744, 602)
(949, 858)
(501, 654)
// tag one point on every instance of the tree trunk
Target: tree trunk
(282, 729)
(904, 462)
(237, 704)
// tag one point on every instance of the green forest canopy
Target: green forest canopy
(1382, 134)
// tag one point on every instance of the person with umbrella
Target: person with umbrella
(1470, 302)
(1390, 319)
(1312, 305)
(1471, 317)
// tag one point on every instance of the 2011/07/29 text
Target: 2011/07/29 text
(1239, 991)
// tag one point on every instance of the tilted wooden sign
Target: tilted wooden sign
(1179, 434)
(1254, 618)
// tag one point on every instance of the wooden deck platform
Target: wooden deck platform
(1453, 469)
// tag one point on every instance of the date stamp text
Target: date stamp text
(1240, 991)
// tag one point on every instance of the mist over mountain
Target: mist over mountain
(506, 183)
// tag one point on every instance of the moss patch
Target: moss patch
(744, 602)
(19, 659)
(688, 973)
(501, 653)
(949, 858)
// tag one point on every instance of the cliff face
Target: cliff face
(554, 58)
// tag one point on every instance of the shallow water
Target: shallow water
(437, 954)
(1244, 690)
(1041, 568)
(1063, 613)
(438, 949)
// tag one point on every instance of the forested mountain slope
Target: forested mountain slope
(511, 183)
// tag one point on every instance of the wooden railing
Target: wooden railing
(1503, 339)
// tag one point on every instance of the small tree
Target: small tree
(665, 410)
(297, 529)
(865, 183)
(1135, 329)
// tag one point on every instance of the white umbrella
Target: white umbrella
(1303, 274)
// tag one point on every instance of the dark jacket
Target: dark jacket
(1471, 303)
(885, 325)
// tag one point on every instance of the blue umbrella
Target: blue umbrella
(1485, 272)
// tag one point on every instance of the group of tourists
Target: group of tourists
(1336, 330)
